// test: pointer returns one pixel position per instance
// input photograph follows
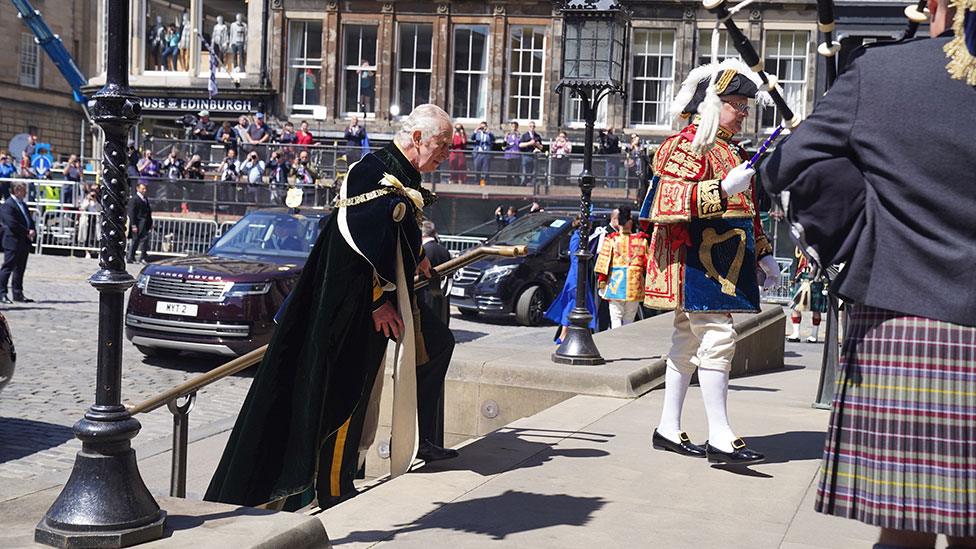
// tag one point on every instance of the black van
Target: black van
(524, 285)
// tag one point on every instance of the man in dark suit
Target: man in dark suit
(140, 223)
(18, 234)
(435, 252)
(881, 178)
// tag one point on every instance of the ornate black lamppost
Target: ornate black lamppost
(105, 502)
(594, 43)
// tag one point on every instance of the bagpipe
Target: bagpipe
(817, 231)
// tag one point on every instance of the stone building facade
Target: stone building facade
(325, 61)
(34, 97)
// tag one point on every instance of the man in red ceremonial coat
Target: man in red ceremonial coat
(707, 252)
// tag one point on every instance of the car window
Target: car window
(269, 234)
(533, 231)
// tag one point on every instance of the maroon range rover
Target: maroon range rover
(223, 302)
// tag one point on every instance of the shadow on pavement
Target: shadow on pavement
(23, 437)
(493, 454)
(781, 448)
(464, 336)
(495, 517)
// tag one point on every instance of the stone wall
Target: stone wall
(58, 126)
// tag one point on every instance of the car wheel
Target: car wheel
(157, 352)
(468, 313)
(531, 306)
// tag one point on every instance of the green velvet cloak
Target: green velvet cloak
(314, 373)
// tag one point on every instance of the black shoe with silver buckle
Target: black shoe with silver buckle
(685, 447)
(740, 455)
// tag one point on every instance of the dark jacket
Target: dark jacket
(140, 214)
(15, 227)
(897, 135)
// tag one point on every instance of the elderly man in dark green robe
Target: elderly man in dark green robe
(311, 409)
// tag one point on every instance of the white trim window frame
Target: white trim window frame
(786, 54)
(412, 66)
(726, 50)
(299, 65)
(474, 75)
(652, 77)
(348, 68)
(30, 61)
(573, 106)
(527, 65)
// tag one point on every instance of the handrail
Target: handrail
(250, 359)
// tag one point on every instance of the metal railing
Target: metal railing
(46, 193)
(540, 171)
(460, 244)
(181, 398)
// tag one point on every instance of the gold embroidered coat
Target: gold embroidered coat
(689, 188)
(620, 266)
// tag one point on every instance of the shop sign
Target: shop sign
(194, 104)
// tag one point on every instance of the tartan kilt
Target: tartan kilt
(809, 296)
(901, 446)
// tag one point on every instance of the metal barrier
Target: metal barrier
(180, 399)
(783, 292)
(77, 230)
(459, 244)
(46, 193)
(177, 237)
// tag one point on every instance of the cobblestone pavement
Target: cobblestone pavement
(54, 381)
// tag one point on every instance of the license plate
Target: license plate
(459, 292)
(182, 309)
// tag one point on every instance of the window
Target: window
(652, 63)
(786, 57)
(30, 61)
(725, 48)
(168, 35)
(574, 111)
(304, 65)
(225, 26)
(470, 78)
(526, 56)
(359, 56)
(413, 70)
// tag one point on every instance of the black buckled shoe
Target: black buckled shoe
(685, 447)
(429, 452)
(740, 455)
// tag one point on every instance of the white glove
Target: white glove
(770, 268)
(738, 180)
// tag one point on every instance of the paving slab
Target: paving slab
(582, 474)
(189, 523)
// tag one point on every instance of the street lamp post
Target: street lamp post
(105, 503)
(594, 42)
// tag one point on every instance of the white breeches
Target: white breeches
(703, 340)
(622, 312)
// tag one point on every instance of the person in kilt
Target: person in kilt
(880, 178)
(809, 296)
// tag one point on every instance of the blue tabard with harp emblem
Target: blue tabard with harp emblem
(720, 266)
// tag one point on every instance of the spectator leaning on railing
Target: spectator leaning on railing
(610, 147)
(228, 136)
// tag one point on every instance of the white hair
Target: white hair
(429, 119)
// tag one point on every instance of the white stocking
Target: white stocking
(675, 388)
(715, 392)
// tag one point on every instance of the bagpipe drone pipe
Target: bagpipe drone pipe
(825, 209)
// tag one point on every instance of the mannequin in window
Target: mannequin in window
(238, 41)
(220, 40)
(155, 39)
(186, 32)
